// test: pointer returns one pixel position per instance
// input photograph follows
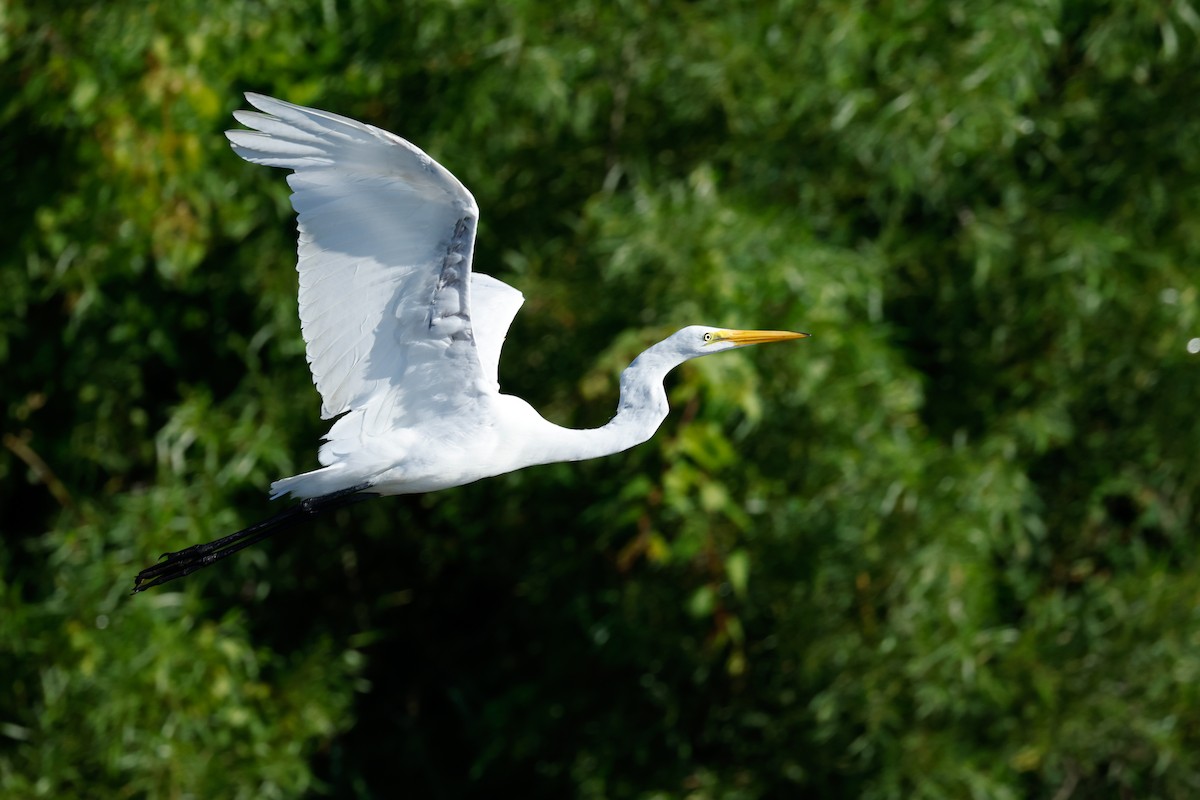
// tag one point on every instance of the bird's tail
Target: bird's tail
(318, 483)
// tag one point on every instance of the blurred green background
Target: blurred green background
(947, 548)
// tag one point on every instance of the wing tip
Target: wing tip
(263, 102)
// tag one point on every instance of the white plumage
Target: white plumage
(403, 339)
(399, 331)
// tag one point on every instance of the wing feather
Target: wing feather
(493, 306)
(385, 246)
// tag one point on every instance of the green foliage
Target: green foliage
(946, 548)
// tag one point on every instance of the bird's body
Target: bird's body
(501, 433)
(403, 338)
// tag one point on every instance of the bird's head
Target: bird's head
(701, 340)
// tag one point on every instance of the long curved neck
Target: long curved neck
(641, 409)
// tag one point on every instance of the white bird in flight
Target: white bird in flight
(403, 338)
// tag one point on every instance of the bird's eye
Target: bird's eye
(708, 337)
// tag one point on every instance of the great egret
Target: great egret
(403, 339)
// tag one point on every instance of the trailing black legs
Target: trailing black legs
(186, 561)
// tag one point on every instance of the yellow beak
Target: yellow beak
(759, 337)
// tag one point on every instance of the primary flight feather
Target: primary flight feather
(403, 338)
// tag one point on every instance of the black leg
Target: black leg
(186, 561)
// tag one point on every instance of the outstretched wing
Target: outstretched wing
(386, 238)
(493, 305)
